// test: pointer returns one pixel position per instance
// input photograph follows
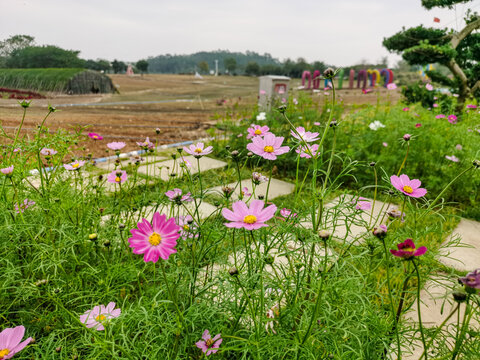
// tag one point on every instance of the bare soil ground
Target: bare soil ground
(182, 106)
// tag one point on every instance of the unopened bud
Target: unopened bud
(459, 296)
(233, 271)
(407, 137)
(324, 234)
(93, 237)
(329, 73)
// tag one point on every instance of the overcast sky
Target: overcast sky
(339, 32)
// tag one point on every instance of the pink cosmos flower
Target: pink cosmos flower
(429, 87)
(245, 192)
(407, 250)
(391, 86)
(406, 109)
(185, 163)
(306, 136)
(258, 178)
(97, 317)
(188, 227)
(268, 147)
(198, 150)
(395, 213)
(287, 213)
(248, 218)
(417, 125)
(95, 136)
(380, 231)
(471, 106)
(48, 152)
(307, 151)
(209, 345)
(385, 144)
(155, 240)
(407, 137)
(317, 123)
(458, 147)
(239, 135)
(147, 144)
(11, 341)
(257, 130)
(439, 116)
(77, 164)
(452, 158)
(116, 145)
(176, 196)
(471, 280)
(408, 187)
(295, 101)
(7, 170)
(362, 204)
(262, 92)
(20, 208)
(117, 177)
(452, 119)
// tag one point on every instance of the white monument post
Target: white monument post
(272, 88)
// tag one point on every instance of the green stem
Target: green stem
(404, 159)
(418, 306)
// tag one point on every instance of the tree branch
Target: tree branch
(458, 37)
(458, 72)
(476, 87)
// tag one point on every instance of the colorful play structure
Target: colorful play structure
(365, 78)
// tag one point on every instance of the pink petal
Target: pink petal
(418, 193)
(20, 347)
(152, 254)
(415, 183)
(206, 335)
(267, 213)
(229, 215)
(404, 180)
(240, 209)
(395, 180)
(202, 345)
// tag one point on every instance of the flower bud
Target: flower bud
(324, 234)
(329, 73)
(106, 243)
(373, 163)
(380, 232)
(282, 109)
(459, 296)
(333, 123)
(234, 153)
(174, 156)
(121, 226)
(179, 150)
(249, 154)
(157, 130)
(407, 137)
(269, 259)
(233, 271)
(476, 163)
(93, 237)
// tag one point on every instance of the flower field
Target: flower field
(303, 232)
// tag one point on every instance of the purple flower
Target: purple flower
(209, 345)
(77, 164)
(471, 280)
(48, 152)
(147, 144)
(7, 170)
(198, 150)
(452, 158)
(116, 145)
(252, 218)
(176, 196)
(117, 177)
(407, 250)
(306, 136)
(307, 151)
(11, 341)
(408, 187)
(20, 208)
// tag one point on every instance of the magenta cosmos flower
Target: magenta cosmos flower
(176, 196)
(452, 119)
(48, 152)
(268, 147)
(11, 341)
(307, 151)
(7, 170)
(77, 164)
(408, 187)
(257, 130)
(248, 218)
(198, 150)
(99, 316)
(20, 208)
(116, 145)
(155, 240)
(439, 116)
(407, 250)
(471, 280)
(209, 345)
(95, 136)
(117, 177)
(471, 106)
(306, 136)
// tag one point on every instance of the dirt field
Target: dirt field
(180, 105)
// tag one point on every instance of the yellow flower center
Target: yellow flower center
(117, 179)
(3, 353)
(186, 227)
(101, 318)
(95, 136)
(407, 189)
(409, 249)
(198, 150)
(154, 239)
(249, 219)
(268, 149)
(258, 132)
(209, 342)
(75, 165)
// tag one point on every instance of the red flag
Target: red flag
(435, 19)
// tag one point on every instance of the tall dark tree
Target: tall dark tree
(230, 64)
(44, 57)
(142, 65)
(459, 51)
(252, 68)
(118, 66)
(203, 66)
(15, 42)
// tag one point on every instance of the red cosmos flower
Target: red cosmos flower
(407, 250)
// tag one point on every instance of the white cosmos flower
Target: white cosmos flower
(376, 125)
